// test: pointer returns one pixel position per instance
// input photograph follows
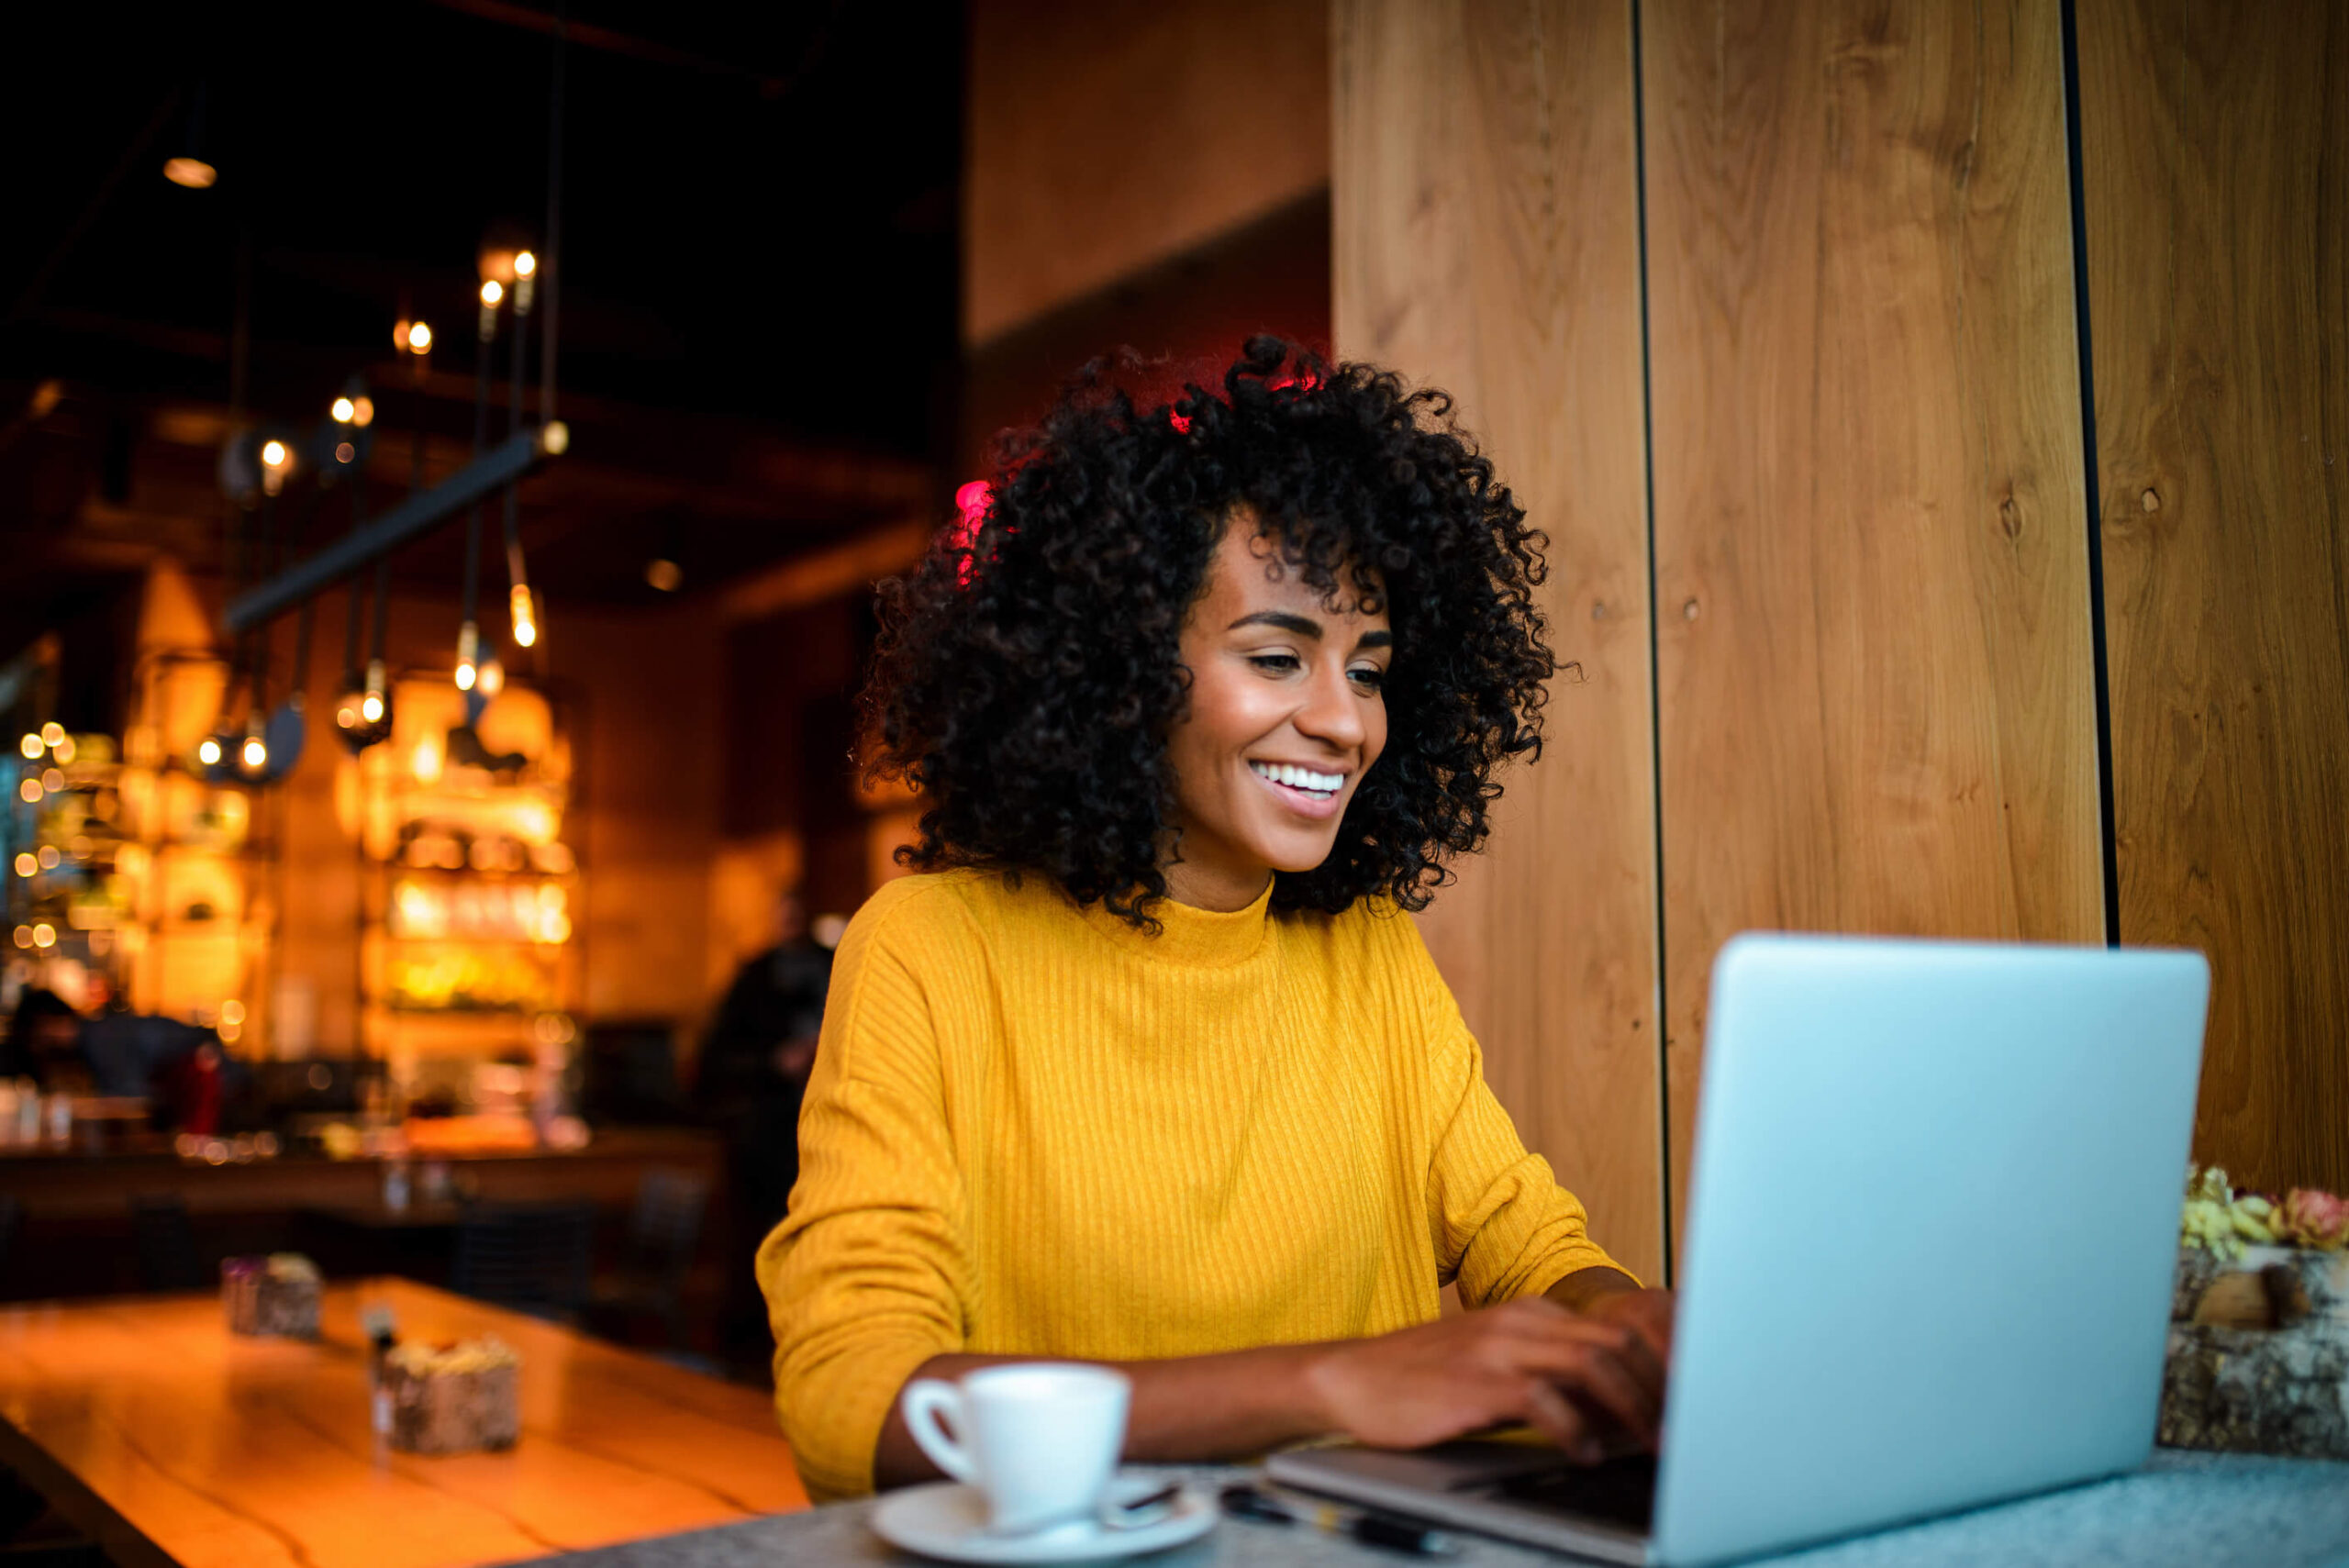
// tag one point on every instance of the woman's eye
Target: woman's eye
(1274, 663)
(1369, 677)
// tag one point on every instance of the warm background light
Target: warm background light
(525, 264)
(419, 338)
(273, 453)
(193, 173)
(343, 410)
(51, 733)
(491, 291)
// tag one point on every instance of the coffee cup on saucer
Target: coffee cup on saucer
(1039, 1441)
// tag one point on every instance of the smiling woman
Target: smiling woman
(1148, 1067)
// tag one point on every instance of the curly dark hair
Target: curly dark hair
(1027, 672)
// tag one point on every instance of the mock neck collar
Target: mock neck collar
(1202, 938)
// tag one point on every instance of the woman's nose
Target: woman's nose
(1331, 713)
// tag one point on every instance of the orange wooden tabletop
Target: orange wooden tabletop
(194, 1447)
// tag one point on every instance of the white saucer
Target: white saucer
(947, 1520)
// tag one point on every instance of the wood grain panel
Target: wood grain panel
(1875, 666)
(1104, 138)
(1487, 241)
(2215, 152)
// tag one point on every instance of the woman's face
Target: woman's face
(1285, 718)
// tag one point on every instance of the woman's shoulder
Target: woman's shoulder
(1374, 924)
(927, 911)
(1372, 942)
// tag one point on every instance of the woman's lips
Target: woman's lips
(1312, 808)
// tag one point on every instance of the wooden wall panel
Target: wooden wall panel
(2215, 151)
(1487, 241)
(1103, 138)
(1875, 668)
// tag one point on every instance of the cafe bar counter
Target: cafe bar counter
(75, 1208)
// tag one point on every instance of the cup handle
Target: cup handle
(924, 1399)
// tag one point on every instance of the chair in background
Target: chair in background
(664, 1237)
(531, 1257)
(165, 1243)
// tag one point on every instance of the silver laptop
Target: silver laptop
(1927, 1261)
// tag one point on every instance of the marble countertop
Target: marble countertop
(2193, 1511)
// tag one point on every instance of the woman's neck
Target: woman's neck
(1217, 889)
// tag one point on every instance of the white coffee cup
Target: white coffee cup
(1040, 1439)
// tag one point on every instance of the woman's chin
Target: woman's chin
(1292, 855)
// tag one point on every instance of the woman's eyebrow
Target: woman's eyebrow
(1375, 639)
(1282, 620)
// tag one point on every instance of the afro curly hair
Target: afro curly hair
(1027, 672)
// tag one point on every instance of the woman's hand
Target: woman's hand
(1588, 1381)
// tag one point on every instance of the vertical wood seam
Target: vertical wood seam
(1656, 697)
(2092, 481)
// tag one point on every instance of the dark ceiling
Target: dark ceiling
(757, 271)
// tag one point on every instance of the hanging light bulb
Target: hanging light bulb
(253, 755)
(344, 410)
(52, 734)
(30, 747)
(492, 678)
(207, 751)
(468, 650)
(419, 338)
(370, 707)
(526, 615)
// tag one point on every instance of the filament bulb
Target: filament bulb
(526, 617)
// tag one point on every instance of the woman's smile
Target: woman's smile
(1311, 795)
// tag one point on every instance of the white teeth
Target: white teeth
(1300, 778)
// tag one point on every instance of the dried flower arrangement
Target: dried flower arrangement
(2259, 1330)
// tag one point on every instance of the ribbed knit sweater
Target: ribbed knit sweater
(1034, 1130)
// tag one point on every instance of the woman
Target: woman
(1149, 1067)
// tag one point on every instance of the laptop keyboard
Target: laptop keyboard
(1622, 1491)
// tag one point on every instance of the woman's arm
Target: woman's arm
(1583, 1379)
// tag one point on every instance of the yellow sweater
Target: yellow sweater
(1032, 1129)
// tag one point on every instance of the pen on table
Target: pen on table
(1370, 1529)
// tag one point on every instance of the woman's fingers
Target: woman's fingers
(1556, 1417)
(1603, 1366)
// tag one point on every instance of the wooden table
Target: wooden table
(172, 1442)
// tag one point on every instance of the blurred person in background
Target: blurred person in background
(44, 1044)
(752, 1077)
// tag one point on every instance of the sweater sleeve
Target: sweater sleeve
(868, 1276)
(1502, 1225)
